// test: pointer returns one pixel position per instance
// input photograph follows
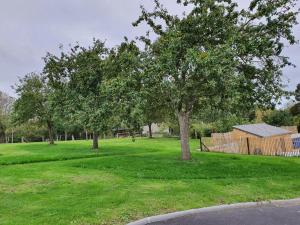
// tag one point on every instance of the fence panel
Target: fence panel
(226, 143)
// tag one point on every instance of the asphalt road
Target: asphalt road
(265, 215)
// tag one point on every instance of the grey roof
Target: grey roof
(262, 130)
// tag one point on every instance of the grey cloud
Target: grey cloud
(28, 29)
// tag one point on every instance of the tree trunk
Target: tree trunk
(132, 134)
(66, 135)
(12, 136)
(150, 130)
(183, 118)
(50, 130)
(95, 140)
(86, 135)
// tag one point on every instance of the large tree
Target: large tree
(34, 102)
(219, 54)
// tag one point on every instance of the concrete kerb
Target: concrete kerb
(165, 217)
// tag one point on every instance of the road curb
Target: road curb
(160, 218)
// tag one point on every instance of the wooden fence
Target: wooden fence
(226, 143)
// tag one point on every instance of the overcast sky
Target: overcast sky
(30, 28)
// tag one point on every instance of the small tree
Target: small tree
(2, 129)
(153, 108)
(34, 102)
(153, 112)
(79, 78)
(125, 84)
(221, 54)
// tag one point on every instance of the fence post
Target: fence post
(200, 139)
(248, 146)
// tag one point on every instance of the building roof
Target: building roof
(262, 130)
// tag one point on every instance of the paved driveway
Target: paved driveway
(264, 215)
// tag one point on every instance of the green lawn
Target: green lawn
(69, 184)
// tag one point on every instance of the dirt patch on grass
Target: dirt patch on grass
(30, 185)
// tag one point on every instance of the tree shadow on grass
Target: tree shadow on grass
(52, 153)
(168, 166)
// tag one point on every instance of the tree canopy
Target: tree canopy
(79, 77)
(215, 63)
(34, 102)
(295, 109)
(279, 118)
(218, 54)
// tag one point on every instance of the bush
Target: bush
(207, 132)
(225, 125)
(279, 118)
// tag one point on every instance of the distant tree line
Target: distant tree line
(216, 62)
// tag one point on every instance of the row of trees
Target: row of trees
(215, 58)
(96, 89)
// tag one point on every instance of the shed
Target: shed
(263, 138)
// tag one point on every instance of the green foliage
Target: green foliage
(295, 109)
(2, 129)
(279, 118)
(215, 59)
(31, 131)
(221, 125)
(34, 102)
(219, 56)
(297, 93)
(226, 124)
(153, 106)
(78, 78)
(31, 103)
(196, 63)
(125, 85)
(297, 121)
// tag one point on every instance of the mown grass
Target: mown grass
(70, 184)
